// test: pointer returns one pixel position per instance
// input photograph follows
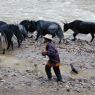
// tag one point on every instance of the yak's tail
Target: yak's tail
(60, 34)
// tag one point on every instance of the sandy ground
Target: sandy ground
(22, 70)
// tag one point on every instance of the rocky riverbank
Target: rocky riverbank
(22, 70)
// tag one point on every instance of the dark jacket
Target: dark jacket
(52, 53)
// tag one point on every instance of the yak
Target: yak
(17, 32)
(46, 27)
(2, 23)
(10, 30)
(8, 34)
(26, 24)
(23, 31)
(79, 26)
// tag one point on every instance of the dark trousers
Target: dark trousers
(56, 70)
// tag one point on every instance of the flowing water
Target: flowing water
(17, 10)
(56, 10)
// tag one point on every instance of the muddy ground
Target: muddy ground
(22, 70)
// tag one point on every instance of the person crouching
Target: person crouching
(54, 60)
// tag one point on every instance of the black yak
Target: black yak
(10, 30)
(46, 27)
(79, 26)
(23, 31)
(8, 34)
(26, 24)
(2, 23)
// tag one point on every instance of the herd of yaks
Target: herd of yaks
(42, 27)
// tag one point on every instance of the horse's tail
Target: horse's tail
(3, 42)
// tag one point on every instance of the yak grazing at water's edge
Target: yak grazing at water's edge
(79, 26)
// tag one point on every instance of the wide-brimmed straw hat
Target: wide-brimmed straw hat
(48, 36)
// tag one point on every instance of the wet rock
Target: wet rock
(85, 80)
(28, 71)
(5, 75)
(86, 85)
(67, 88)
(77, 89)
(1, 80)
(93, 82)
(35, 65)
(13, 75)
(61, 86)
(28, 84)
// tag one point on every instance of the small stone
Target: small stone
(67, 88)
(77, 89)
(35, 65)
(28, 71)
(14, 75)
(28, 84)
(57, 89)
(1, 80)
(17, 63)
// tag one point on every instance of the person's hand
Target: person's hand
(44, 53)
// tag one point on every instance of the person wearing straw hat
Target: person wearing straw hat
(54, 60)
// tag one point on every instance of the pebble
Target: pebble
(1, 80)
(28, 71)
(67, 88)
